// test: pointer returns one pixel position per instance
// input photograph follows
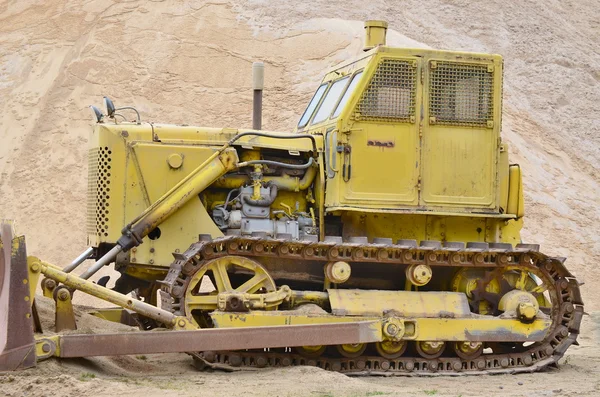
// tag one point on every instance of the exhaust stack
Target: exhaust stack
(258, 82)
(375, 34)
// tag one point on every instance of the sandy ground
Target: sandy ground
(168, 374)
(189, 62)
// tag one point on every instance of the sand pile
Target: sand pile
(189, 62)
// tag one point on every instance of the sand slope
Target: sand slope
(189, 62)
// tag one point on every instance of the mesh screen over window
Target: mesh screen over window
(391, 93)
(461, 94)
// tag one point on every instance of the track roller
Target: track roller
(430, 349)
(352, 350)
(311, 351)
(468, 350)
(390, 349)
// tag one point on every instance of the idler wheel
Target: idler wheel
(430, 349)
(390, 349)
(352, 350)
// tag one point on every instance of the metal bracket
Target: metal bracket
(64, 317)
(237, 302)
(47, 347)
(48, 287)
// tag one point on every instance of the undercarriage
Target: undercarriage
(506, 310)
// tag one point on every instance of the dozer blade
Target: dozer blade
(17, 342)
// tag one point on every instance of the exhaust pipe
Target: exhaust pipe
(258, 82)
(375, 34)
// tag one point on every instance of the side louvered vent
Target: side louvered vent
(391, 93)
(461, 94)
(99, 172)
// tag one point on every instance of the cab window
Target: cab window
(312, 105)
(347, 94)
(332, 97)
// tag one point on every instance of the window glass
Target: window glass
(347, 94)
(312, 105)
(330, 100)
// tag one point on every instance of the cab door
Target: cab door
(380, 155)
(460, 133)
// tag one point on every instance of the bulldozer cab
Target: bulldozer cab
(411, 130)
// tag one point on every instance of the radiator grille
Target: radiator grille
(391, 93)
(99, 171)
(461, 94)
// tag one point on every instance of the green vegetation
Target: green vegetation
(84, 377)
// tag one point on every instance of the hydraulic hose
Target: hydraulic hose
(267, 135)
(279, 164)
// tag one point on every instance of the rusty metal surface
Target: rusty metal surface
(17, 344)
(218, 339)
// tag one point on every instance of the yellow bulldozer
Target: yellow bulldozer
(382, 236)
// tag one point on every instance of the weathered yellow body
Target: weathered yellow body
(391, 211)
(401, 171)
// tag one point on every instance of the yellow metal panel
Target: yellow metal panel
(503, 178)
(511, 231)
(280, 317)
(352, 302)
(460, 131)
(217, 137)
(458, 167)
(150, 175)
(430, 227)
(481, 328)
(516, 204)
(383, 161)
(347, 68)
(106, 179)
(474, 328)
(156, 173)
(384, 225)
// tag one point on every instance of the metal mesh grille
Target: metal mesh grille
(98, 190)
(461, 94)
(390, 95)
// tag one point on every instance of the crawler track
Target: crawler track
(566, 313)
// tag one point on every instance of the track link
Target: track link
(567, 306)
